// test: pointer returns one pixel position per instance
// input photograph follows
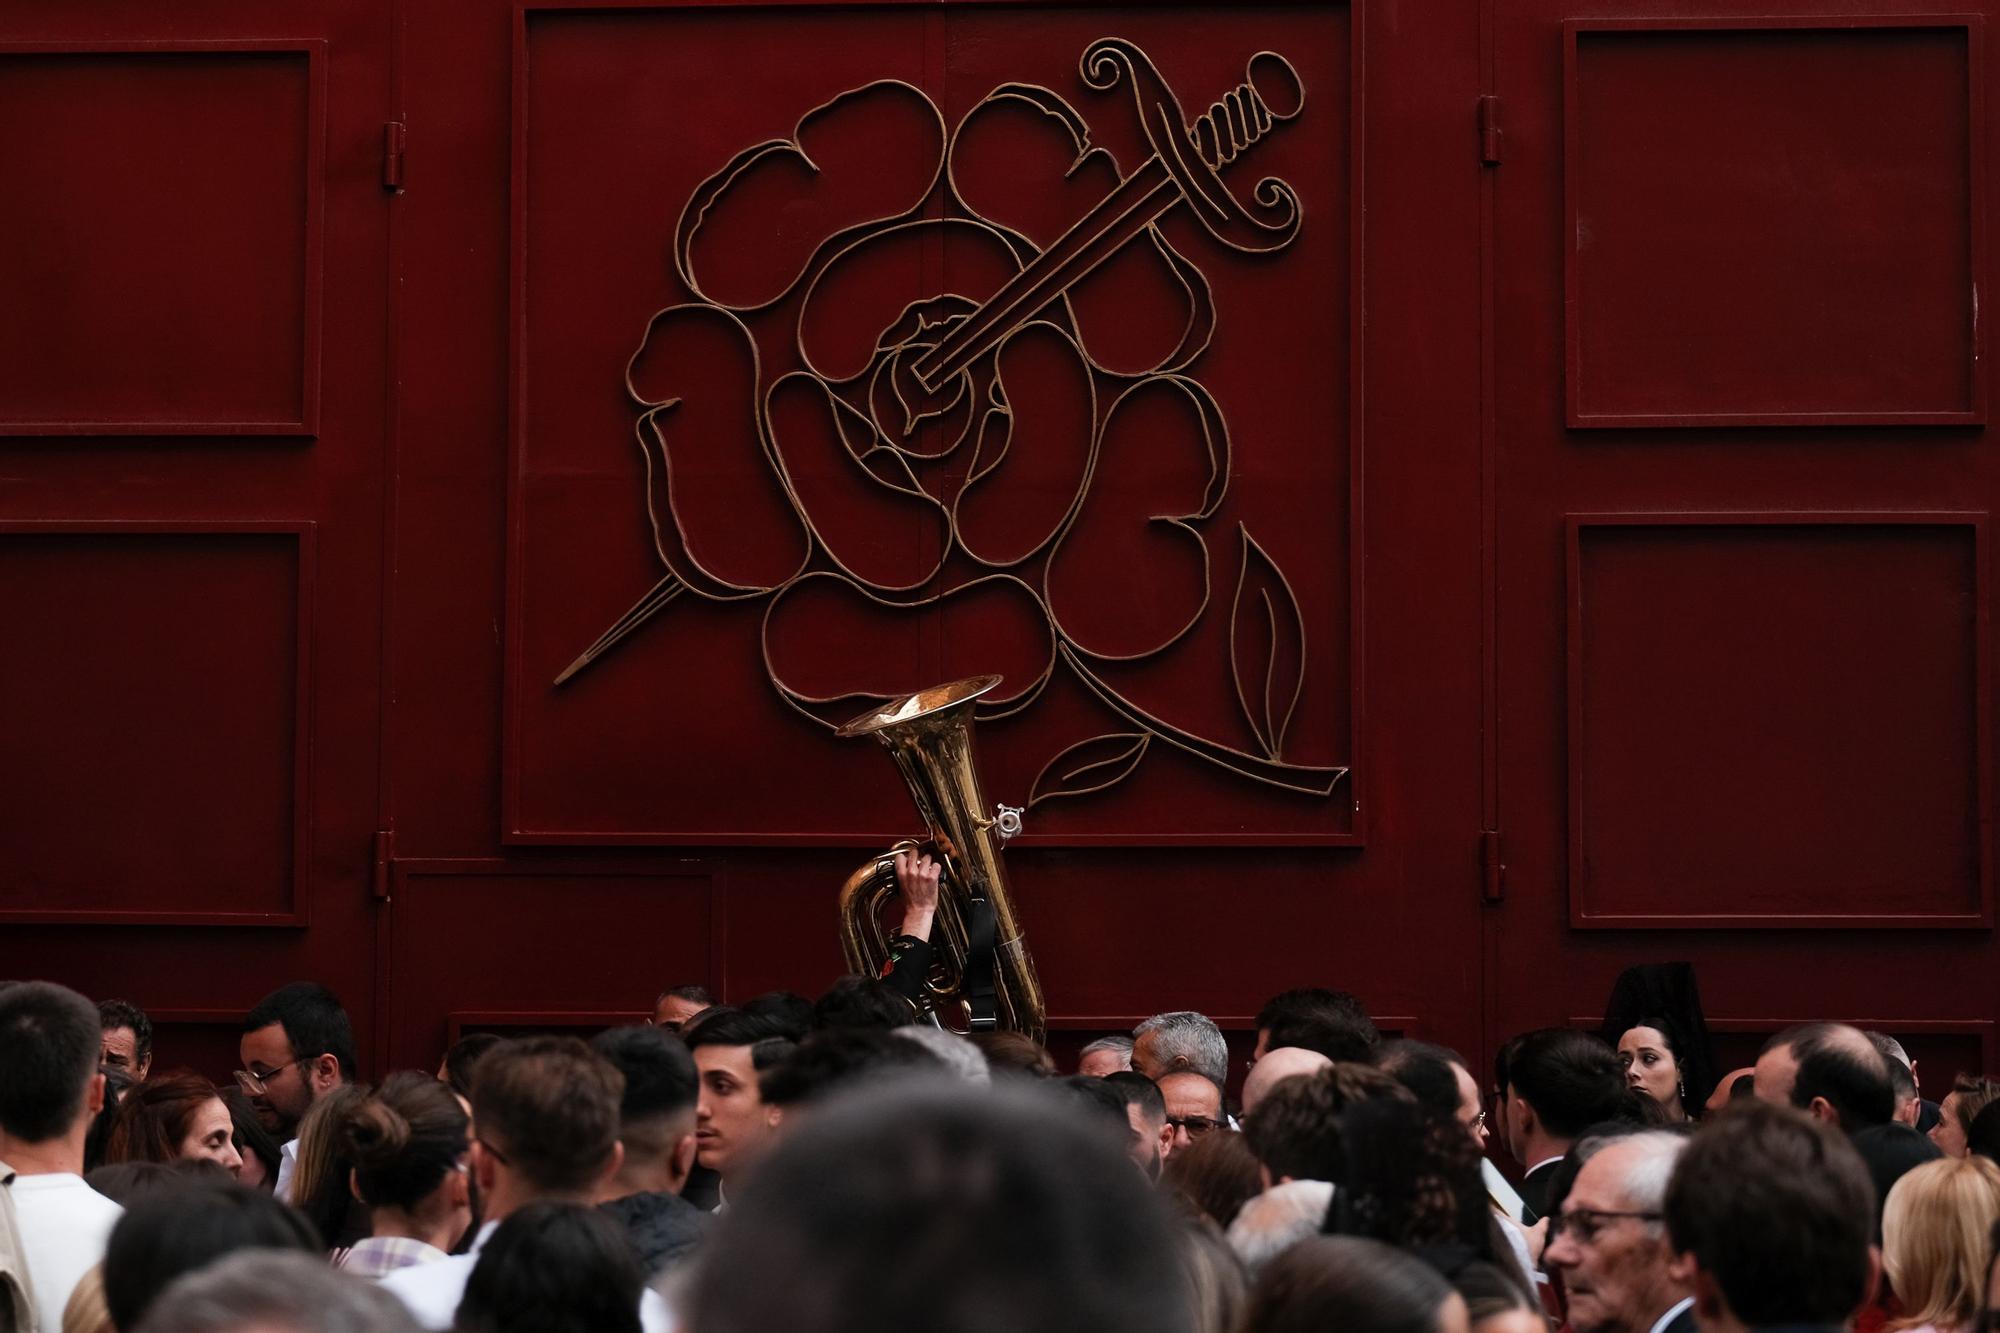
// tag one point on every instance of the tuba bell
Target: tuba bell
(982, 979)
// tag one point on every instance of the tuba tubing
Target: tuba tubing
(929, 735)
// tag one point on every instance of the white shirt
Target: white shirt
(64, 1225)
(1660, 1324)
(288, 1162)
(432, 1291)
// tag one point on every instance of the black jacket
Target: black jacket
(663, 1227)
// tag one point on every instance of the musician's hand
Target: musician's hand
(917, 880)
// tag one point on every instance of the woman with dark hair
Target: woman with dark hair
(1969, 1096)
(408, 1146)
(1355, 1286)
(117, 1082)
(1650, 1053)
(1654, 1019)
(260, 1152)
(172, 1116)
(553, 1268)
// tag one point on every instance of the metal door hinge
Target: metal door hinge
(385, 855)
(394, 133)
(1489, 130)
(1493, 870)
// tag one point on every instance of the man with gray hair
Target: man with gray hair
(274, 1291)
(1610, 1243)
(1165, 1043)
(1106, 1055)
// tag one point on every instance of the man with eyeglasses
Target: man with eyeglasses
(1610, 1244)
(296, 1047)
(1194, 1108)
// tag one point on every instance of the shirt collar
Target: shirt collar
(1660, 1324)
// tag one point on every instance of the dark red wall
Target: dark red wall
(1610, 442)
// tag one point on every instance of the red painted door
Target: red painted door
(193, 422)
(1742, 499)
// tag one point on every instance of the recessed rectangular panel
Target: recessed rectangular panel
(1774, 223)
(756, 418)
(152, 741)
(473, 951)
(1777, 720)
(159, 235)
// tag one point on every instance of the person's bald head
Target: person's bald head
(1276, 1065)
(1829, 1070)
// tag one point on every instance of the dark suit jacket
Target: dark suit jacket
(1535, 1191)
(1682, 1322)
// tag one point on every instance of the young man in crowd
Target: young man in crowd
(545, 1111)
(733, 1126)
(1146, 1113)
(1556, 1083)
(128, 1038)
(656, 1133)
(1769, 1214)
(50, 1088)
(296, 1047)
(1609, 1241)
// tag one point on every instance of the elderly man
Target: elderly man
(1194, 1108)
(1105, 1056)
(1609, 1242)
(1165, 1043)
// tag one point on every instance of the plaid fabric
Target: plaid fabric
(385, 1254)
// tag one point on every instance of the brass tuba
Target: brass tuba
(929, 734)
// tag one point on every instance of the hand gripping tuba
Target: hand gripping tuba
(983, 979)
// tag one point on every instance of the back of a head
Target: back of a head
(1425, 1070)
(1842, 1065)
(1778, 1209)
(1135, 1089)
(840, 1058)
(660, 1078)
(1570, 1078)
(1187, 1035)
(1936, 1225)
(404, 1139)
(313, 1021)
(862, 1002)
(939, 1206)
(1409, 1179)
(553, 1268)
(320, 1186)
(1216, 1282)
(180, 1230)
(1214, 1176)
(1094, 1105)
(958, 1055)
(1337, 1038)
(1295, 1130)
(275, 1291)
(789, 1013)
(463, 1058)
(551, 1105)
(1344, 1283)
(1316, 1002)
(1982, 1136)
(1014, 1055)
(49, 1041)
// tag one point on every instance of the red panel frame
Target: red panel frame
(300, 914)
(515, 831)
(308, 425)
(1974, 28)
(1580, 915)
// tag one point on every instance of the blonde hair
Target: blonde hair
(1935, 1228)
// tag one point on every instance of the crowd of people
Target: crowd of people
(843, 1165)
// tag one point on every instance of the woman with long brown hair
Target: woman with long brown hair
(173, 1117)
